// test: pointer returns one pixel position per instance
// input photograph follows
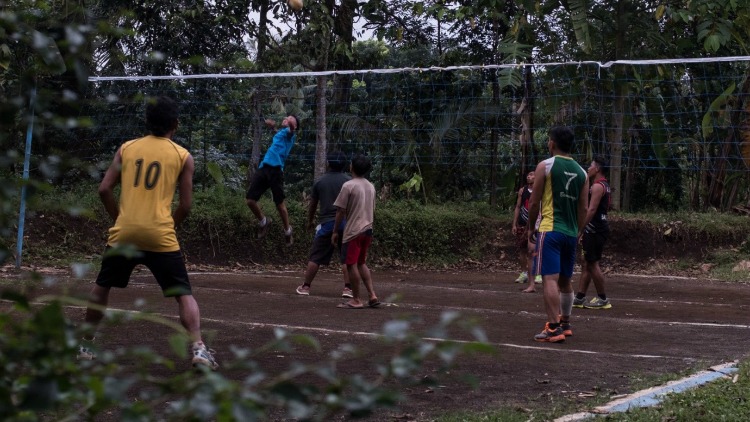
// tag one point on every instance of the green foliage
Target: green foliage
(412, 185)
(221, 227)
(407, 231)
(41, 378)
(716, 115)
(719, 224)
(579, 19)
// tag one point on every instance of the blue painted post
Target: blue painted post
(26, 159)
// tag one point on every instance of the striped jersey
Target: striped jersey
(523, 214)
(563, 179)
(151, 168)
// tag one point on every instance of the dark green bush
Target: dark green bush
(411, 232)
(222, 230)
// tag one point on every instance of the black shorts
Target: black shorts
(167, 267)
(592, 245)
(322, 249)
(264, 178)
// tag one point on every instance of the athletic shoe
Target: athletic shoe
(578, 303)
(347, 293)
(566, 328)
(263, 230)
(551, 336)
(203, 356)
(303, 290)
(522, 278)
(289, 238)
(84, 353)
(538, 279)
(598, 303)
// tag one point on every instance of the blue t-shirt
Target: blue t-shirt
(279, 150)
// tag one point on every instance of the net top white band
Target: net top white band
(417, 69)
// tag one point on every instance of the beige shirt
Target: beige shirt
(357, 197)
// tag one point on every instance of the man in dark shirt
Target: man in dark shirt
(594, 236)
(324, 193)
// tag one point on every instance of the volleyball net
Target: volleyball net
(464, 130)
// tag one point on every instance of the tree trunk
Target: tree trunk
(717, 185)
(716, 191)
(618, 111)
(527, 123)
(321, 142)
(257, 116)
(344, 29)
(493, 147)
(262, 33)
(615, 143)
(257, 128)
(627, 190)
(321, 134)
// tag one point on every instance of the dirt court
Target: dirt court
(657, 325)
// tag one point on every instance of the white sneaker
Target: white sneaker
(538, 279)
(303, 290)
(288, 237)
(263, 230)
(347, 293)
(204, 356)
(84, 353)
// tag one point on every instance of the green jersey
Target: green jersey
(563, 179)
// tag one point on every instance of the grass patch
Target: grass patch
(725, 261)
(221, 231)
(643, 380)
(713, 222)
(721, 400)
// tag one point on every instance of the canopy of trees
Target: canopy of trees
(441, 135)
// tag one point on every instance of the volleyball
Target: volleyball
(295, 4)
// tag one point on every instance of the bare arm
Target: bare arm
(340, 214)
(535, 201)
(583, 202)
(186, 191)
(597, 193)
(517, 211)
(107, 186)
(311, 212)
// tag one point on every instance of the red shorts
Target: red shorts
(355, 250)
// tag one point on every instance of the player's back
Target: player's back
(151, 168)
(326, 189)
(564, 178)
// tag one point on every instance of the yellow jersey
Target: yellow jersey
(151, 168)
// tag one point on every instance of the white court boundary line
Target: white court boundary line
(486, 310)
(459, 289)
(378, 335)
(653, 396)
(272, 273)
(507, 293)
